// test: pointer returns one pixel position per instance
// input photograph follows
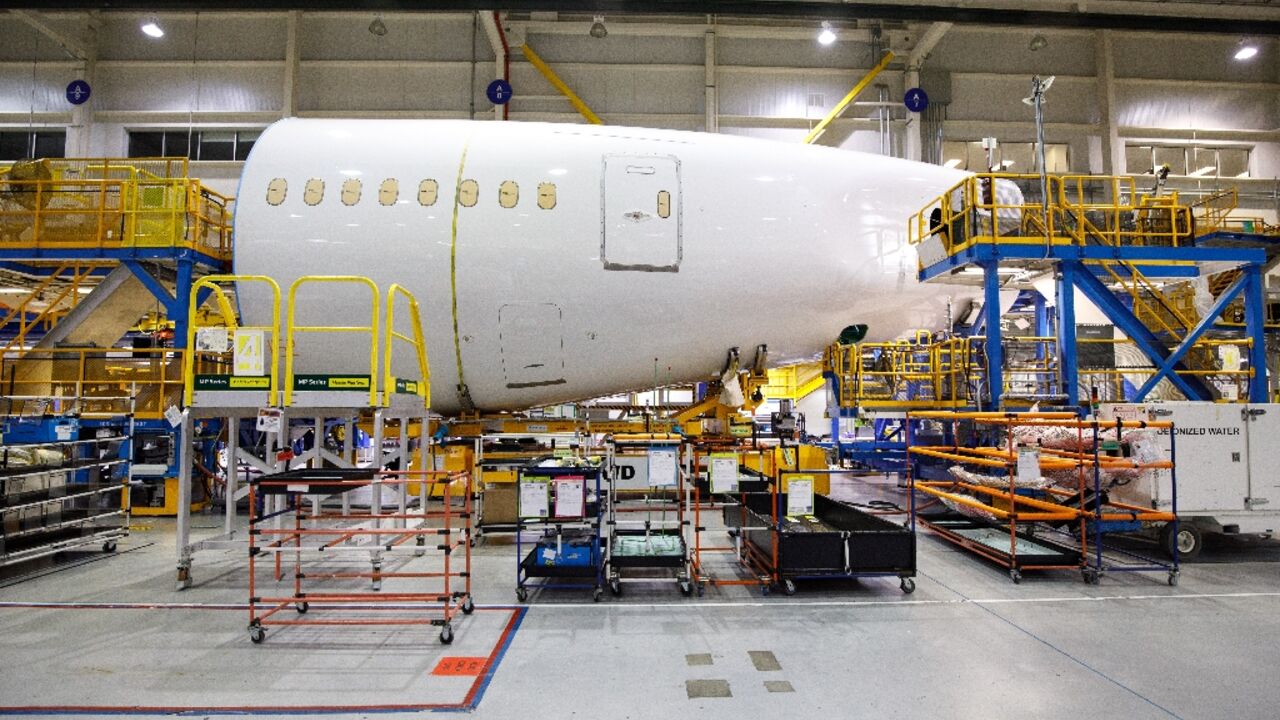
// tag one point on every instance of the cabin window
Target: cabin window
(468, 193)
(664, 204)
(389, 191)
(508, 194)
(546, 195)
(313, 193)
(351, 191)
(426, 192)
(276, 191)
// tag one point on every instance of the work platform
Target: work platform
(1123, 250)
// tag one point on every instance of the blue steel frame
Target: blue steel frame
(185, 260)
(1074, 273)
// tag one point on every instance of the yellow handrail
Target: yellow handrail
(230, 321)
(105, 204)
(291, 327)
(417, 341)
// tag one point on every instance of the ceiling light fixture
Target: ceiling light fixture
(377, 27)
(151, 27)
(827, 35)
(598, 30)
(1246, 50)
(1038, 42)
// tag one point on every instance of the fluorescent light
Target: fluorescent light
(1203, 171)
(827, 36)
(151, 28)
(1246, 51)
(1006, 164)
(84, 290)
(953, 162)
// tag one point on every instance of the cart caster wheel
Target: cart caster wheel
(257, 634)
(686, 589)
(468, 606)
(702, 589)
(1173, 579)
(184, 579)
(615, 586)
(446, 635)
(109, 546)
(522, 594)
(597, 594)
(1091, 576)
(1015, 576)
(788, 587)
(908, 585)
(302, 607)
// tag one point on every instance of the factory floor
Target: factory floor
(95, 634)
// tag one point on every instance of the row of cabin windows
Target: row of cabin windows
(428, 192)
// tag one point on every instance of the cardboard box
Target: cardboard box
(499, 506)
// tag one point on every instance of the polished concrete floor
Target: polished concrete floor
(94, 634)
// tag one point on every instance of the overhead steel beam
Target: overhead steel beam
(70, 45)
(1158, 19)
(844, 103)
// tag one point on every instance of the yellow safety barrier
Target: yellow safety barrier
(55, 296)
(905, 374)
(292, 328)
(84, 375)
(231, 322)
(390, 384)
(110, 204)
(971, 212)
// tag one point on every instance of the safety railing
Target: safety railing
(230, 357)
(106, 204)
(392, 385)
(344, 381)
(1216, 213)
(902, 374)
(1081, 210)
(96, 379)
(47, 302)
(951, 373)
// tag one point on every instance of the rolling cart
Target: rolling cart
(805, 536)
(646, 518)
(560, 505)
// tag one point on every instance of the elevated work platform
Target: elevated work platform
(1124, 251)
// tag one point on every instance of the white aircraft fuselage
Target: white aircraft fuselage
(560, 262)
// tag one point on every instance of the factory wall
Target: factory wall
(239, 71)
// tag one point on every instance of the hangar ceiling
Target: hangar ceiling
(1254, 17)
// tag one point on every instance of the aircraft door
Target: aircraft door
(532, 342)
(642, 213)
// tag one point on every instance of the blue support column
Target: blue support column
(1068, 360)
(1254, 323)
(994, 345)
(1042, 322)
(182, 303)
